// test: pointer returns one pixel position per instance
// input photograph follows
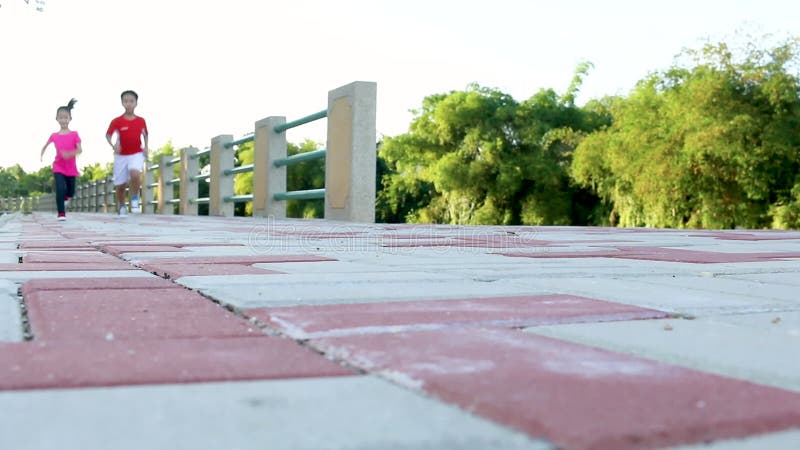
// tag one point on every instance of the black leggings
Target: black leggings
(65, 187)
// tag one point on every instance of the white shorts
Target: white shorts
(124, 165)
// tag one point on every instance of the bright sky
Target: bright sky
(205, 68)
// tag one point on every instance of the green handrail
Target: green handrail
(200, 153)
(241, 169)
(310, 194)
(243, 140)
(238, 198)
(295, 123)
(300, 157)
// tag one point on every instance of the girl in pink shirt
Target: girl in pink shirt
(65, 169)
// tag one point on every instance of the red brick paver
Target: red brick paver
(517, 311)
(81, 363)
(576, 396)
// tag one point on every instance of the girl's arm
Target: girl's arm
(146, 147)
(41, 156)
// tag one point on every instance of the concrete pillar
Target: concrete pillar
(351, 153)
(93, 195)
(165, 190)
(221, 185)
(190, 167)
(148, 194)
(268, 146)
(83, 202)
(108, 197)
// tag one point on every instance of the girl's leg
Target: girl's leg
(61, 190)
(70, 187)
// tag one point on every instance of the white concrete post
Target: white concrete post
(95, 196)
(108, 198)
(165, 190)
(148, 194)
(83, 198)
(268, 146)
(190, 167)
(351, 153)
(220, 185)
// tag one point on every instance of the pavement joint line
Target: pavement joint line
(27, 333)
(306, 343)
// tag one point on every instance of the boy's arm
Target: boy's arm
(114, 146)
(146, 145)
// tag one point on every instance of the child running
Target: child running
(65, 169)
(129, 154)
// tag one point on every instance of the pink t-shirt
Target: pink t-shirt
(65, 143)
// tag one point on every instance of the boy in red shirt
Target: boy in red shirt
(129, 153)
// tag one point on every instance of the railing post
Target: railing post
(220, 186)
(92, 196)
(268, 146)
(99, 189)
(165, 191)
(351, 153)
(84, 198)
(108, 195)
(188, 189)
(148, 178)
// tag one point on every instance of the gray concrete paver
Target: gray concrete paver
(737, 350)
(359, 412)
(10, 318)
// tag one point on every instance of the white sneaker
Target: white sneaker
(123, 211)
(135, 207)
(61, 218)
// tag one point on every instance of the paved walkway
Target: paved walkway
(169, 332)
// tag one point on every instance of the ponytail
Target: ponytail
(67, 108)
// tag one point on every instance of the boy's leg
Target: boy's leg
(135, 183)
(135, 164)
(120, 179)
(121, 195)
(61, 190)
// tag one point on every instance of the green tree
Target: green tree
(96, 172)
(480, 157)
(15, 182)
(711, 144)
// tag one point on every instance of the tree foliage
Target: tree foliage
(478, 156)
(709, 144)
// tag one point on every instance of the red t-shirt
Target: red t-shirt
(130, 133)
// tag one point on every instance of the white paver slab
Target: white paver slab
(252, 291)
(357, 412)
(736, 350)
(10, 319)
(786, 440)
(773, 278)
(700, 301)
